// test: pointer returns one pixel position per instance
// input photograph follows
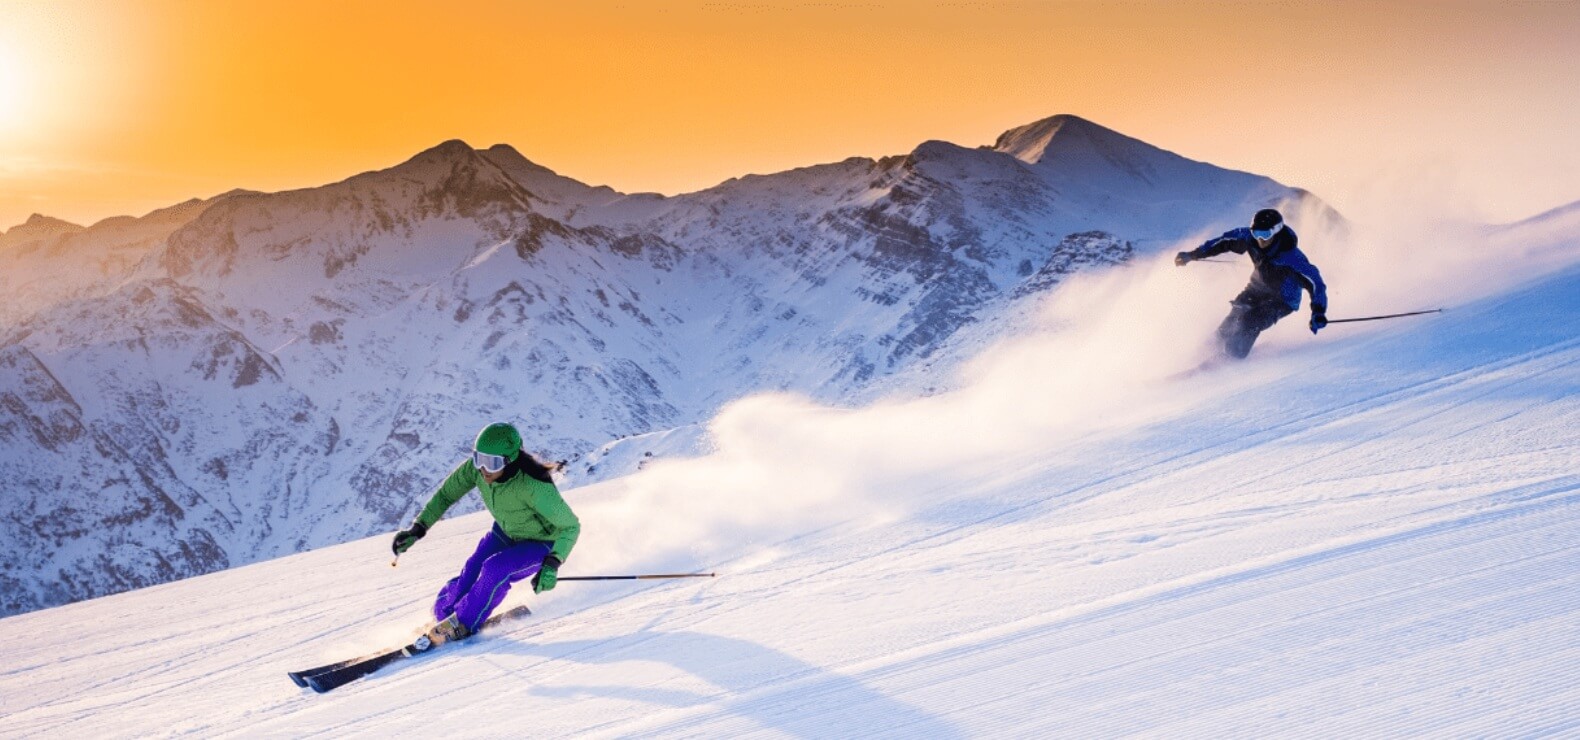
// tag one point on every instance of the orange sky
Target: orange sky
(111, 108)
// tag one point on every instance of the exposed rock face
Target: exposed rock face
(246, 377)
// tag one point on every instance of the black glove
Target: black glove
(407, 537)
(547, 575)
(1319, 318)
(1181, 258)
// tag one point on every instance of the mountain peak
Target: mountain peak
(509, 157)
(452, 148)
(505, 150)
(542, 181)
(38, 225)
(1030, 143)
(447, 152)
(1073, 148)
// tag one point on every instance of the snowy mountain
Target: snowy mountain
(261, 374)
(45, 260)
(1374, 532)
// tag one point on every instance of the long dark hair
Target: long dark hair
(526, 463)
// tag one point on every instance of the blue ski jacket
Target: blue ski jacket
(1281, 268)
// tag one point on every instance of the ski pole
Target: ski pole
(641, 577)
(1388, 316)
(644, 577)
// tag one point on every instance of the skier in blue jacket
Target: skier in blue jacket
(1281, 273)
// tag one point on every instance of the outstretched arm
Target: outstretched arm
(461, 480)
(1216, 246)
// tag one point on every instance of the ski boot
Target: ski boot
(446, 630)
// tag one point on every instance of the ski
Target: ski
(300, 677)
(337, 677)
(334, 675)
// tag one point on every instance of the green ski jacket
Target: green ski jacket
(525, 507)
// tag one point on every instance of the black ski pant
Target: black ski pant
(1252, 312)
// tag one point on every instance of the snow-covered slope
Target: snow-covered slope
(287, 370)
(1373, 534)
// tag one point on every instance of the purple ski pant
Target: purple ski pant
(485, 579)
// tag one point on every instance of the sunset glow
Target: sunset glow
(123, 108)
(13, 95)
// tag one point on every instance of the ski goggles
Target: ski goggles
(1265, 234)
(488, 463)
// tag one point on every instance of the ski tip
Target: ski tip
(322, 687)
(297, 679)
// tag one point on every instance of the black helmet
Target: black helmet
(1266, 219)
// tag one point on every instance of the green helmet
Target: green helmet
(500, 439)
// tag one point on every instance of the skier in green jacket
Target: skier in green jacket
(534, 531)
